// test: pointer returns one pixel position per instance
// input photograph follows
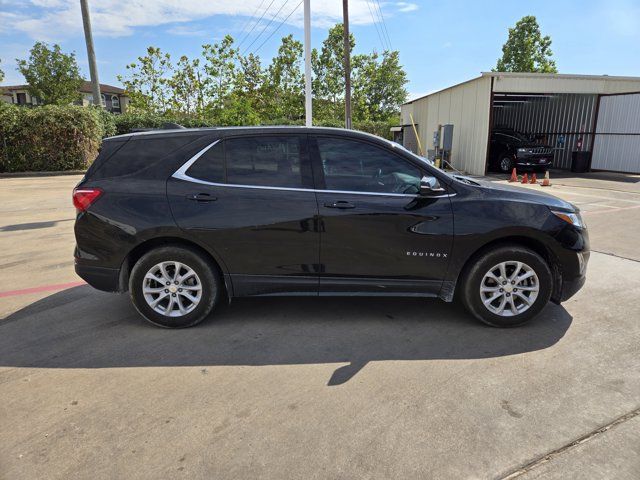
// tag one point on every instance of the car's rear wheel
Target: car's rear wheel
(174, 287)
(505, 164)
(507, 286)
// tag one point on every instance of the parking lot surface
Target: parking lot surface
(315, 388)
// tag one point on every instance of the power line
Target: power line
(375, 24)
(384, 24)
(248, 22)
(378, 14)
(257, 23)
(278, 27)
(266, 26)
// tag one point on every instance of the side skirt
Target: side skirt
(281, 285)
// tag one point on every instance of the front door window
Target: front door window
(354, 166)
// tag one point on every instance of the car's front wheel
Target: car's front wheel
(507, 286)
(174, 287)
(505, 164)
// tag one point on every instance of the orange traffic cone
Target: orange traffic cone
(534, 179)
(514, 176)
(546, 182)
(525, 178)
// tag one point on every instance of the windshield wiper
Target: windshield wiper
(466, 180)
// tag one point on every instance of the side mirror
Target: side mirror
(430, 186)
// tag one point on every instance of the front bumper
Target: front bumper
(569, 282)
(571, 287)
(523, 163)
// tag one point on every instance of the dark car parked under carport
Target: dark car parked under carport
(511, 149)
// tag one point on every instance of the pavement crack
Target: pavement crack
(569, 446)
(615, 255)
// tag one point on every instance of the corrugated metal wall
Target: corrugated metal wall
(570, 116)
(466, 106)
(617, 142)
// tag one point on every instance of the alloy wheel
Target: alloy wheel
(509, 288)
(172, 289)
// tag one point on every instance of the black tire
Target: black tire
(207, 274)
(505, 164)
(472, 279)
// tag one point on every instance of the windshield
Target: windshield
(406, 150)
(521, 137)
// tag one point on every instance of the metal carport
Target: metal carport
(559, 108)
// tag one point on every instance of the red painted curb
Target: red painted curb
(43, 288)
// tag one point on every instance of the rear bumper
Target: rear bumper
(106, 279)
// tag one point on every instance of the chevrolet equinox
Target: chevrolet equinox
(185, 218)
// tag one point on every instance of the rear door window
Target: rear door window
(258, 161)
(270, 161)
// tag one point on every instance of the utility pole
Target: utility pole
(307, 64)
(93, 68)
(347, 65)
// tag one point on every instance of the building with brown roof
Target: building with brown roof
(114, 99)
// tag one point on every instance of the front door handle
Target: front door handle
(340, 204)
(202, 197)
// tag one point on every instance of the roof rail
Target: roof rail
(165, 126)
(172, 126)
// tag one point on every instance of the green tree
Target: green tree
(223, 87)
(526, 50)
(250, 76)
(220, 66)
(378, 86)
(53, 76)
(247, 102)
(147, 83)
(328, 70)
(186, 88)
(1, 73)
(284, 85)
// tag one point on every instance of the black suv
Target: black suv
(510, 149)
(185, 218)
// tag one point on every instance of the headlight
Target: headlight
(524, 150)
(573, 218)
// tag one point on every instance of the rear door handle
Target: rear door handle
(340, 204)
(202, 197)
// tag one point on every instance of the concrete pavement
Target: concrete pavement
(312, 388)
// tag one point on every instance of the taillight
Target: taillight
(84, 197)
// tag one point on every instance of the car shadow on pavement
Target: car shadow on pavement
(83, 328)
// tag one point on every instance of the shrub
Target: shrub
(128, 122)
(49, 138)
(108, 122)
(52, 138)
(131, 121)
(380, 128)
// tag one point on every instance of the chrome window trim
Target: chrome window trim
(181, 174)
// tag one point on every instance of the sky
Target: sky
(441, 43)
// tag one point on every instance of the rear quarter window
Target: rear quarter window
(107, 150)
(141, 154)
